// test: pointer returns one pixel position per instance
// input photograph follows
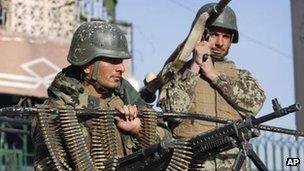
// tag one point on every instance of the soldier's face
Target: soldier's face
(109, 72)
(220, 41)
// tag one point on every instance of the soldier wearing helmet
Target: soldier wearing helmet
(93, 80)
(213, 87)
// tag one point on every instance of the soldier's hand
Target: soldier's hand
(209, 69)
(128, 120)
(202, 48)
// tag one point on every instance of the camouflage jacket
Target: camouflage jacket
(58, 152)
(244, 93)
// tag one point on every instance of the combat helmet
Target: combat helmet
(97, 39)
(227, 19)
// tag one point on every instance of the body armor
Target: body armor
(208, 100)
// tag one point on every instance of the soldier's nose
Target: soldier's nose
(219, 41)
(120, 68)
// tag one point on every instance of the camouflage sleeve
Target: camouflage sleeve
(177, 92)
(244, 93)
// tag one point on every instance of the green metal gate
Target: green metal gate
(13, 157)
(275, 148)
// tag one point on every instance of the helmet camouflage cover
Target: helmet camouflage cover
(226, 19)
(97, 39)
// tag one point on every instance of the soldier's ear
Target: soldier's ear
(87, 69)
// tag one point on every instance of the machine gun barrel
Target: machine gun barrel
(281, 130)
(25, 111)
(277, 114)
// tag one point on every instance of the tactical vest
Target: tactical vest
(207, 100)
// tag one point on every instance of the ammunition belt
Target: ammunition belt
(53, 143)
(148, 135)
(62, 132)
(181, 156)
(75, 141)
(104, 148)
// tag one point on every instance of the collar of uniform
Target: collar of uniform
(66, 86)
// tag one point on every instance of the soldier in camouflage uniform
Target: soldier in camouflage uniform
(93, 80)
(214, 87)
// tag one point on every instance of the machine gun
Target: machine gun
(183, 154)
(182, 52)
(19, 113)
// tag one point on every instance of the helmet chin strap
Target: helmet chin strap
(94, 79)
(232, 37)
(95, 71)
